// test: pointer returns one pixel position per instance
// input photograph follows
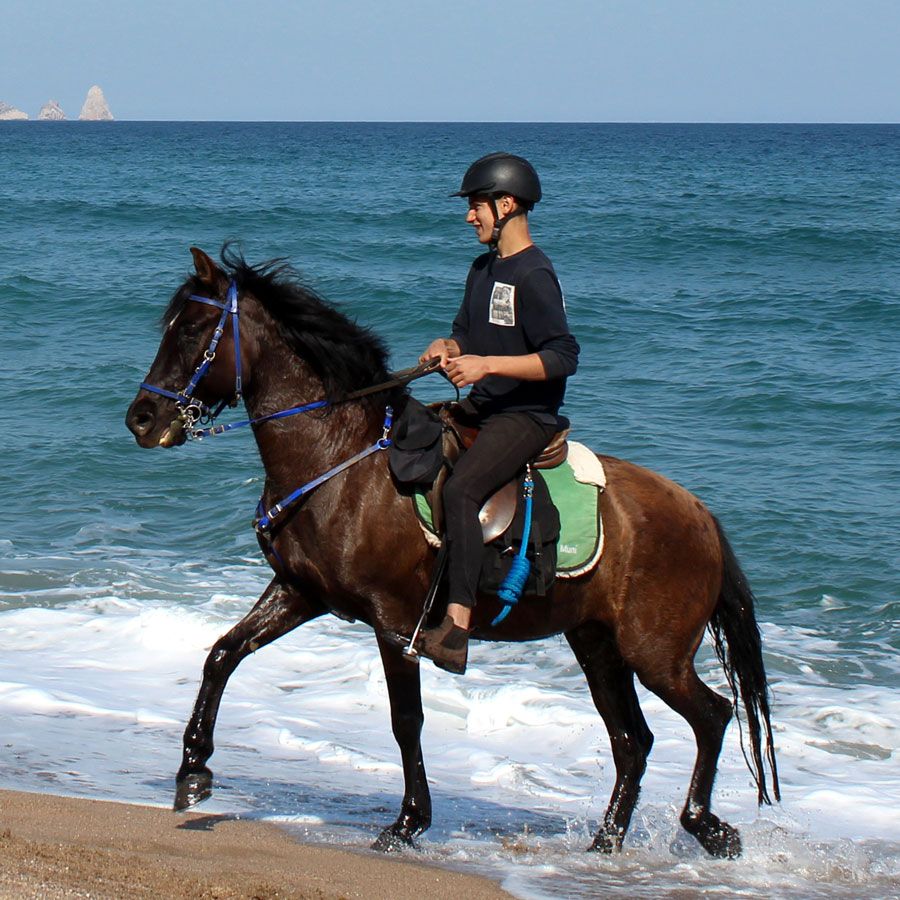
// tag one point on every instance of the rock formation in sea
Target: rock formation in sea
(95, 108)
(51, 110)
(10, 112)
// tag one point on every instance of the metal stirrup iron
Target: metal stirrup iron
(439, 564)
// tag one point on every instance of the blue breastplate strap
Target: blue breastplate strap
(265, 522)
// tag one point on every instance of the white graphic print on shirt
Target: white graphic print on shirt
(503, 304)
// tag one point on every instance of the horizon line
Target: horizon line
(460, 121)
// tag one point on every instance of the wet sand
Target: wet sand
(58, 847)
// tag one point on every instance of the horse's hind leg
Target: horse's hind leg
(612, 687)
(279, 610)
(405, 693)
(708, 714)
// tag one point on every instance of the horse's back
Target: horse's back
(662, 558)
(637, 494)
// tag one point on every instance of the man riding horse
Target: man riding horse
(511, 341)
(669, 573)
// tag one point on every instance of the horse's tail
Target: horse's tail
(739, 648)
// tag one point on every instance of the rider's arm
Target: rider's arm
(545, 324)
(468, 369)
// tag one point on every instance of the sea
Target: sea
(736, 293)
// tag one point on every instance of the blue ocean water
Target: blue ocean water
(736, 293)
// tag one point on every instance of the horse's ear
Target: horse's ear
(207, 271)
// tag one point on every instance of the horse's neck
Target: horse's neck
(307, 444)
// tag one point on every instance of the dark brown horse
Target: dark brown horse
(352, 547)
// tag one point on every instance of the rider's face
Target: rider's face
(481, 217)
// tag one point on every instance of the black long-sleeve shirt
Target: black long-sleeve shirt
(513, 307)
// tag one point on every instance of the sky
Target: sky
(458, 60)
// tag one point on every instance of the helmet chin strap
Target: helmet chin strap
(500, 223)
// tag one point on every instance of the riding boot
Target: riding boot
(447, 645)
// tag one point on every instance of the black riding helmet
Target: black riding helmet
(497, 175)
(502, 173)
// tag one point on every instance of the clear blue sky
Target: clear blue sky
(451, 60)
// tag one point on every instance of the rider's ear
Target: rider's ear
(207, 271)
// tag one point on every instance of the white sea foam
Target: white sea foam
(96, 694)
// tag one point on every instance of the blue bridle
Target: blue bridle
(190, 410)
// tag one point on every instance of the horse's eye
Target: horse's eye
(191, 330)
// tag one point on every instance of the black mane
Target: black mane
(345, 356)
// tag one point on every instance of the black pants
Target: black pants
(505, 443)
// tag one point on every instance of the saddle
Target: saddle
(429, 440)
(458, 434)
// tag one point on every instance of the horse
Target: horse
(236, 331)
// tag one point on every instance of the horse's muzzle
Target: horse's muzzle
(151, 430)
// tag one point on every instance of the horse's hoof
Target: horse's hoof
(393, 840)
(606, 843)
(192, 789)
(724, 843)
(720, 840)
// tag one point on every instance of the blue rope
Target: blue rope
(514, 584)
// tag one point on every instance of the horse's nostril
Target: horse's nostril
(141, 422)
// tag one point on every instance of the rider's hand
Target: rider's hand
(466, 370)
(440, 348)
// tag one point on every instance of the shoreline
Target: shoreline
(63, 847)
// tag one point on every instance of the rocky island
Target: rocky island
(9, 113)
(95, 107)
(51, 111)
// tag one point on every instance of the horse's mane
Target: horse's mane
(344, 355)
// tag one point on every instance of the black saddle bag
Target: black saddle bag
(416, 453)
(541, 552)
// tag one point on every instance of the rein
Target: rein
(404, 376)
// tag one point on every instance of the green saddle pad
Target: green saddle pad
(581, 530)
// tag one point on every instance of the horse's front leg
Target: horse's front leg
(279, 610)
(405, 693)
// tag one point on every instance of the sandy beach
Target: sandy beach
(59, 847)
